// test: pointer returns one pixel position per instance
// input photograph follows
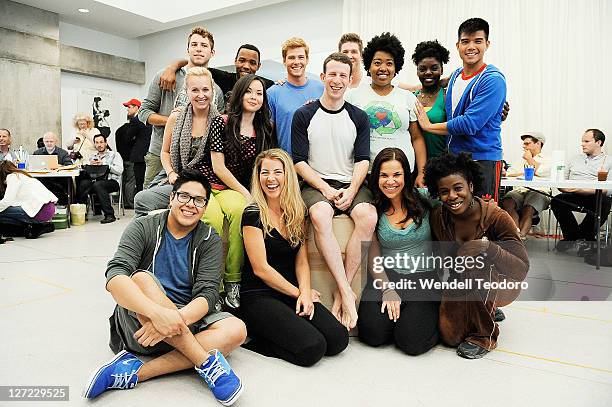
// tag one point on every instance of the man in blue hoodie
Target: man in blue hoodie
(474, 101)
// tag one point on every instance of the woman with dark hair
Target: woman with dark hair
(25, 203)
(429, 58)
(392, 110)
(235, 141)
(474, 229)
(411, 319)
(283, 314)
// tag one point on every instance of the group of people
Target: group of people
(306, 149)
(526, 205)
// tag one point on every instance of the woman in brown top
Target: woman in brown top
(467, 226)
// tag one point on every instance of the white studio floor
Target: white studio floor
(54, 315)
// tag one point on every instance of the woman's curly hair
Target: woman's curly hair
(449, 164)
(433, 49)
(384, 42)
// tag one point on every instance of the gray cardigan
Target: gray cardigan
(144, 236)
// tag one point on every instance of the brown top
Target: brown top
(506, 252)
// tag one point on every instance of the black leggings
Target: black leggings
(414, 333)
(277, 331)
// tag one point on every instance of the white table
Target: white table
(598, 186)
(68, 174)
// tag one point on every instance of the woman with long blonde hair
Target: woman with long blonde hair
(282, 312)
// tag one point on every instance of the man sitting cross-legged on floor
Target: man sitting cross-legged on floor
(165, 277)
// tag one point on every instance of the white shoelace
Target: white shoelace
(212, 372)
(122, 380)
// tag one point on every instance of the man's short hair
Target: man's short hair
(7, 131)
(99, 135)
(249, 47)
(473, 25)
(202, 32)
(339, 57)
(191, 175)
(598, 135)
(294, 42)
(351, 37)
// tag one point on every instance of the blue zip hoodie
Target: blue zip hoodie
(475, 126)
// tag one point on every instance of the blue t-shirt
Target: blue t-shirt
(172, 268)
(284, 101)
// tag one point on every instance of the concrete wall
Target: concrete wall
(29, 72)
(93, 40)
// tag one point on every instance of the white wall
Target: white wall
(93, 40)
(555, 55)
(71, 85)
(319, 22)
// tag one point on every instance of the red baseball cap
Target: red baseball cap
(130, 102)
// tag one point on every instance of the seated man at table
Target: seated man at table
(5, 145)
(584, 166)
(521, 203)
(102, 187)
(51, 147)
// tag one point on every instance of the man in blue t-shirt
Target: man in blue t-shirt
(474, 102)
(285, 99)
(165, 279)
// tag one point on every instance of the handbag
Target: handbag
(97, 172)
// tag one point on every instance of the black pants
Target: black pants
(489, 190)
(414, 333)
(569, 226)
(58, 189)
(102, 189)
(139, 174)
(277, 331)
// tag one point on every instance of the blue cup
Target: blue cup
(21, 165)
(529, 172)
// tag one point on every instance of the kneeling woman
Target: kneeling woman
(25, 203)
(282, 312)
(476, 229)
(407, 317)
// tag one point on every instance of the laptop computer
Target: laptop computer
(42, 162)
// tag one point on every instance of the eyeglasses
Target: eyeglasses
(184, 197)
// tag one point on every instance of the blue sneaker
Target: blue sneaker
(220, 378)
(118, 373)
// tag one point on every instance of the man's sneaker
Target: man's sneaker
(232, 295)
(119, 373)
(108, 219)
(220, 378)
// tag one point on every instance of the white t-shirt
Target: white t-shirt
(389, 117)
(458, 89)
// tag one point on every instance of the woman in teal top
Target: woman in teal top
(429, 58)
(404, 313)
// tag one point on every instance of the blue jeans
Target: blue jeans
(15, 215)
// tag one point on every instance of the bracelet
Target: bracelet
(171, 173)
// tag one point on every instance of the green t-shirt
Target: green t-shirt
(434, 143)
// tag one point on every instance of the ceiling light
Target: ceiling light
(84, 10)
